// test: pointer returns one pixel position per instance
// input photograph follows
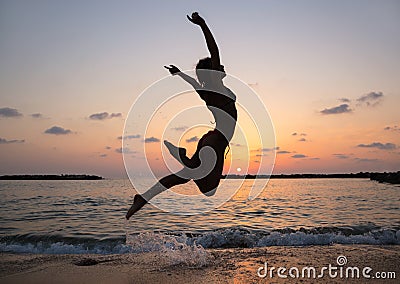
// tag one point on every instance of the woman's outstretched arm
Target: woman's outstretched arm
(175, 71)
(211, 44)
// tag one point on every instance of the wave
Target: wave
(194, 243)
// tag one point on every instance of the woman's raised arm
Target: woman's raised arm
(211, 44)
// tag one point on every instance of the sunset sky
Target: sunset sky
(327, 71)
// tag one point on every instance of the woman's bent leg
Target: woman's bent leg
(180, 155)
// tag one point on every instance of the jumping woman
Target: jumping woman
(206, 165)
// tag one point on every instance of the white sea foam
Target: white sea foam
(173, 248)
(180, 248)
(62, 248)
(244, 238)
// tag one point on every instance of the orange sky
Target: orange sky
(330, 86)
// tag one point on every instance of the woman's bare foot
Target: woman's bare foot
(138, 202)
(176, 152)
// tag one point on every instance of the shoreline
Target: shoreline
(382, 177)
(233, 265)
(52, 177)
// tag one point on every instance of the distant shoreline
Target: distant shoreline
(387, 177)
(393, 177)
(51, 177)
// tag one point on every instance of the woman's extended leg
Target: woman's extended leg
(163, 184)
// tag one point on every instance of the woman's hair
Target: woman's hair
(203, 64)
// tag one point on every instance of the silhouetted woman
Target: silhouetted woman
(206, 165)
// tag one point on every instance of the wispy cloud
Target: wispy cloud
(192, 139)
(299, 134)
(365, 160)
(36, 115)
(107, 147)
(124, 150)
(344, 100)
(151, 140)
(57, 130)
(343, 108)
(302, 140)
(269, 149)
(299, 156)
(341, 156)
(104, 115)
(180, 128)
(283, 152)
(378, 145)
(9, 112)
(371, 99)
(392, 128)
(5, 141)
(103, 155)
(118, 114)
(134, 136)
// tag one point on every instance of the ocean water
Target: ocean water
(89, 216)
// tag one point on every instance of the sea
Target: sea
(88, 216)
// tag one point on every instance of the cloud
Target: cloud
(134, 136)
(5, 141)
(99, 116)
(124, 150)
(57, 130)
(104, 115)
(344, 100)
(107, 147)
(294, 134)
(180, 128)
(343, 108)
(300, 134)
(36, 115)
(371, 99)
(378, 145)
(9, 112)
(314, 159)
(341, 156)
(103, 155)
(299, 156)
(283, 152)
(392, 128)
(192, 139)
(118, 114)
(365, 160)
(302, 140)
(151, 140)
(269, 149)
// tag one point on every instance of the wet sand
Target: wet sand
(224, 266)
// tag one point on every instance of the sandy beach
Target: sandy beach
(224, 266)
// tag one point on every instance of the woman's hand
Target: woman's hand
(172, 69)
(196, 19)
